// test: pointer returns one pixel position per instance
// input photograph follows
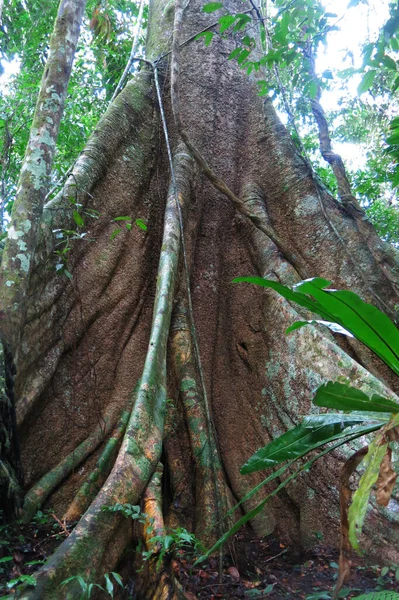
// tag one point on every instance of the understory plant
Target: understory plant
(359, 414)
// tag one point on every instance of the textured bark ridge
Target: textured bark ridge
(110, 396)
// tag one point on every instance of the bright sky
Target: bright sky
(355, 25)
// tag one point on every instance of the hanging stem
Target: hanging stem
(136, 37)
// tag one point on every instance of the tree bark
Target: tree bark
(120, 337)
(23, 231)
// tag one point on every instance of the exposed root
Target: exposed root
(92, 486)
(37, 495)
(97, 541)
(210, 489)
(158, 581)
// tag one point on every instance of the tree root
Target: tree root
(92, 486)
(157, 581)
(98, 540)
(39, 493)
(210, 489)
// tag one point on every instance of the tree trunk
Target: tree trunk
(109, 379)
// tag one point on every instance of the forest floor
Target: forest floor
(261, 568)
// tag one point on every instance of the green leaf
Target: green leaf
(366, 322)
(333, 326)
(366, 82)
(395, 85)
(77, 217)
(358, 508)
(250, 515)
(207, 35)
(127, 218)
(389, 62)
(313, 89)
(114, 234)
(242, 19)
(141, 224)
(225, 22)
(298, 441)
(264, 87)
(5, 559)
(117, 577)
(287, 293)
(211, 7)
(387, 595)
(109, 586)
(243, 56)
(234, 53)
(345, 397)
(168, 542)
(28, 579)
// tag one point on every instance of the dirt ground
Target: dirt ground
(260, 569)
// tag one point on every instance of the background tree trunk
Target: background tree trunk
(88, 352)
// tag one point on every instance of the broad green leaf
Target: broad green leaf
(287, 293)
(207, 35)
(109, 586)
(234, 53)
(211, 7)
(366, 82)
(345, 397)
(305, 467)
(351, 419)
(225, 22)
(300, 440)
(358, 508)
(77, 217)
(117, 577)
(363, 320)
(333, 326)
(395, 84)
(168, 542)
(389, 62)
(353, 433)
(114, 234)
(387, 595)
(366, 322)
(242, 19)
(243, 56)
(126, 218)
(141, 224)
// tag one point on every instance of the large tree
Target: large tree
(139, 373)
